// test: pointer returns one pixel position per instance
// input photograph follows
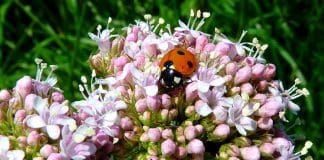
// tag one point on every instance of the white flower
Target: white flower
(6, 154)
(235, 117)
(49, 117)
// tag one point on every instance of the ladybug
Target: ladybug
(177, 65)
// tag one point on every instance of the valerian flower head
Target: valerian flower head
(230, 99)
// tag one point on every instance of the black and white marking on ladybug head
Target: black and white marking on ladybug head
(170, 78)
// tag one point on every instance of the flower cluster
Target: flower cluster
(228, 108)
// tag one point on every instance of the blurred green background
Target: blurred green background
(56, 31)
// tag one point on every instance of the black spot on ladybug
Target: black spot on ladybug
(181, 53)
(189, 63)
(168, 64)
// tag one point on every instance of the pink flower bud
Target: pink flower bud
(265, 123)
(57, 97)
(33, 138)
(47, 150)
(181, 152)
(120, 62)
(55, 156)
(126, 123)
(222, 48)
(269, 72)
(247, 88)
(166, 101)
(14, 102)
(191, 91)
(118, 43)
(250, 61)
(131, 37)
(250, 153)
(233, 158)
(147, 116)
(190, 132)
(190, 111)
(20, 115)
(173, 113)
(167, 134)
(24, 86)
(153, 103)
(192, 50)
(257, 71)
(199, 129)
(22, 141)
(270, 108)
(139, 61)
(144, 137)
(164, 114)
(115, 130)
(243, 75)
(224, 60)
(4, 95)
(168, 147)
(141, 105)
(96, 61)
(261, 98)
(139, 93)
(233, 150)
(154, 134)
(29, 102)
(195, 146)
(181, 139)
(100, 139)
(222, 131)
(149, 47)
(82, 115)
(267, 149)
(122, 90)
(190, 40)
(209, 47)
(130, 135)
(262, 86)
(231, 68)
(201, 41)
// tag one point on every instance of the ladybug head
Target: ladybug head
(170, 78)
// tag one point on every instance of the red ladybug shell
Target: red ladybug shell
(183, 61)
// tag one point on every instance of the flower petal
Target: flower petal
(293, 107)
(35, 121)
(4, 141)
(16, 155)
(53, 131)
(57, 109)
(217, 82)
(40, 104)
(120, 105)
(204, 110)
(240, 129)
(203, 86)
(110, 118)
(248, 123)
(151, 90)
